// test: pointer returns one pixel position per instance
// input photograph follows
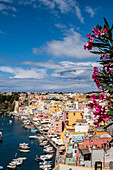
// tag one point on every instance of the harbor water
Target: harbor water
(13, 134)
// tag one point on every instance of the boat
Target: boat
(24, 147)
(23, 144)
(11, 166)
(33, 130)
(0, 136)
(33, 137)
(10, 121)
(48, 149)
(17, 162)
(22, 158)
(45, 166)
(24, 151)
(1, 167)
(45, 163)
(46, 157)
(49, 152)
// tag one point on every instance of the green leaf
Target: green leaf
(100, 45)
(106, 23)
(108, 88)
(110, 113)
(96, 52)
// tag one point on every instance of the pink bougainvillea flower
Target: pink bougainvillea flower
(105, 117)
(104, 56)
(109, 64)
(109, 71)
(97, 32)
(91, 105)
(88, 45)
(103, 31)
(88, 35)
(93, 97)
(101, 97)
(95, 69)
(93, 29)
(102, 89)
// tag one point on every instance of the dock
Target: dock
(58, 158)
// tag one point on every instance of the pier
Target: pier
(58, 158)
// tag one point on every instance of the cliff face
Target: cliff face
(6, 107)
(7, 102)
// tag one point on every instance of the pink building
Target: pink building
(80, 105)
(96, 140)
(65, 117)
(56, 127)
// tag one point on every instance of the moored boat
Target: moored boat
(11, 166)
(24, 151)
(0, 136)
(1, 167)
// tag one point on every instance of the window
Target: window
(56, 125)
(74, 114)
(66, 114)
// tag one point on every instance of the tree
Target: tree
(101, 39)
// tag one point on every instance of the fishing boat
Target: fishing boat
(1, 167)
(24, 151)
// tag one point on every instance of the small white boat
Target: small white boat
(11, 166)
(33, 137)
(22, 158)
(1, 167)
(45, 166)
(10, 121)
(25, 144)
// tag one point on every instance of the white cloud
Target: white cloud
(60, 26)
(5, 8)
(1, 32)
(67, 69)
(24, 73)
(71, 46)
(64, 6)
(35, 50)
(63, 76)
(78, 13)
(90, 10)
(45, 85)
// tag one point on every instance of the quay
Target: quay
(58, 158)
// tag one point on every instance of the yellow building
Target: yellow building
(82, 97)
(54, 108)
(73, 115)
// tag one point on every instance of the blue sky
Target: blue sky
(42, 44)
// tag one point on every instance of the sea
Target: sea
(13, 135)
